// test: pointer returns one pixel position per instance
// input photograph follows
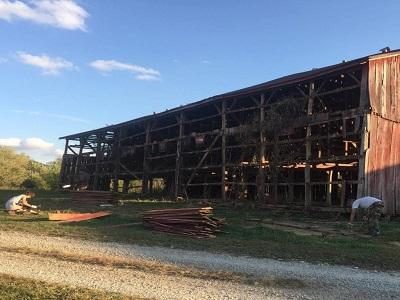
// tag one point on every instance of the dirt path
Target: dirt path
(78, 263)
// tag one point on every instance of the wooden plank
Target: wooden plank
(223, 150)
(390, 166)
(364, 103)
(396, 162)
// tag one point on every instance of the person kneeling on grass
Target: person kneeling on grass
(374, 209)
(19, 204)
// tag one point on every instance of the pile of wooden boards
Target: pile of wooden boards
(93, 198)
(192, 222)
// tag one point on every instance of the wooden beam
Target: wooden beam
(178, 158)
(291, 185)
(261, 155)
(145, 177)
(72, 150)
(117, 158)
(79, 159)
(343, 193)
(97, 166)
(202, 159)
(329, 188)
(364, 103)
(307, 171)
(223, 149)
(63, 177)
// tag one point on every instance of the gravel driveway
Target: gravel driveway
(320, 281)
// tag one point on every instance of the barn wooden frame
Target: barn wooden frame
(341, 142)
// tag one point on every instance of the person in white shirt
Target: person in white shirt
(20, 203)
(374, 209)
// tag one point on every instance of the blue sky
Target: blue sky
(70, 66)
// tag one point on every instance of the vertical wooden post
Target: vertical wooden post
(82, 142)
(291, 186)
(307, 169)
(117, 156)
(275, 168)
(99, 139)
(261, 155)
(223, 149)
(63, 162)
(145, 177)
(364, 101)
(151, 185)
(343, 193)
(178, 158)
(329, 189)
(125, 187)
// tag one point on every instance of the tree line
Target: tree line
(20, 171)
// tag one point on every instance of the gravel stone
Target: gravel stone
(321, 281)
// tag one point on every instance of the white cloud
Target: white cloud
(48, 65)
(64, 14)
(10, 142)
(35, 147)
(59, 153)
(3, 60)
(35, 143)
(141, 73)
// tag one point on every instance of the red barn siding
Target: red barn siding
(382, 163)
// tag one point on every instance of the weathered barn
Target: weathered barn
(314, 139)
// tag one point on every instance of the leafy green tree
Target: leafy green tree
(14, 168)
(52, 175)
(18, 170)
(29, 184)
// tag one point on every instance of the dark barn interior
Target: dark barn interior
(303, 140)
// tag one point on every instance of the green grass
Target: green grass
(13, 288)
(241, 239)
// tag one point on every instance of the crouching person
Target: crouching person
(19, 204)
(374, 209)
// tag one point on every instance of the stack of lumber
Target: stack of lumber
(193, 222)
(93, 198)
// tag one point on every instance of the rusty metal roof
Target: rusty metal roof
(285, 80)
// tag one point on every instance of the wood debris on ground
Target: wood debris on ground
(76, 217)
(192, 222)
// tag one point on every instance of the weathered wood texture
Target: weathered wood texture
(382, 163)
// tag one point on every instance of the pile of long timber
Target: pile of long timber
(93, 198)
(193, 222)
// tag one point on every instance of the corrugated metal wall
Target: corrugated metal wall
(382, 164)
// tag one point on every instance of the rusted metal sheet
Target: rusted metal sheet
(77, 217)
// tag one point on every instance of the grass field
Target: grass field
(12, 288)
(242, 237)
